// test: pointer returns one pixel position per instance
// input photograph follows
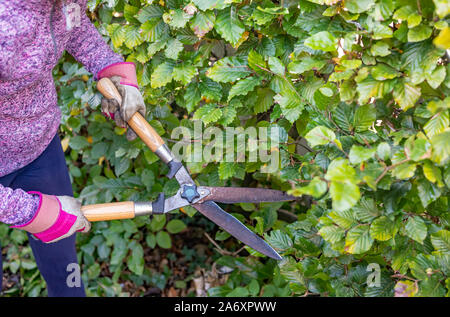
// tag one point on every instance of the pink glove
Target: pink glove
(57, 217)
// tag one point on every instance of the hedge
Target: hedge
(357, 91)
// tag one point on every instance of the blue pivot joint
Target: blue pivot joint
(190, 193)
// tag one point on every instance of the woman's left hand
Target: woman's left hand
(132, 102)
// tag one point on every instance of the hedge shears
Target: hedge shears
(202, 198)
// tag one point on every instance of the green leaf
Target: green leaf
(384, 151)
(358, 240)
(276, 66)
(238, 292)
(254, 288)
(315, 188)
(343, 190)
(403, 12)
(256, 62)
(279, 240)
(184, 73)
(154, 30)
(291, 271)
(358, 6)
(229, 26)
(416, 228)
(382, 229)
(210, 90)
(306, 64)
(428, 192)
(437, 124)
(209, 4)
(202, 23)
(228, 69)
(441, 147)
(323, 41)
(173, 48)
(419, 33)
(175, 226)
(289, 97)
(162, 75)
(404, 171)
(344, 195)
(78, 142)
(432, 173)
(360, 154)
(136, 261)
(320, 135)
(406, 95)
(384, 72)
(208, 113)
(264, 100)
(380, 31)
(163, 240)
(369, 88)
(178, 18)
(227, 170)
(332, 234)
(441, 241)
(436, 77)
(149, 12)
(380, 48)
(117, 34)
(132, 35)
(365, 116)
(243, 87)
(366, 210)
(417, 149)
(442, 8)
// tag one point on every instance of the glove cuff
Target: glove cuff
(49, 221)
(126, 70)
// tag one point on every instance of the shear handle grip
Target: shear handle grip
(109, 211)
(137, 122)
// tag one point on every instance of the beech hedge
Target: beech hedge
(358, 92)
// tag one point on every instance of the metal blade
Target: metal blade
(234, 227)
(231, 195)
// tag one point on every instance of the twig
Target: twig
(220, 250)
(388, 168)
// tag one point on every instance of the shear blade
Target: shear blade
(231, 195)
(234, 227)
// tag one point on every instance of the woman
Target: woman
(35, 189)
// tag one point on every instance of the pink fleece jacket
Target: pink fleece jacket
(33, 36)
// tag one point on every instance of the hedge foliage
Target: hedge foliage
(364, 82)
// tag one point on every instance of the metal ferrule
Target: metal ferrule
(142, 208)
(164, 153)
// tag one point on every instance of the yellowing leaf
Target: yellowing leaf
(443, 39)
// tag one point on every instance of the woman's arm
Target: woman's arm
(88, 46)
(16, 206)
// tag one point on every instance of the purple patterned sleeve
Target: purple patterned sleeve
(88, 47)
(16, 206)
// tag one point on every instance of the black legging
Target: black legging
(49, 175)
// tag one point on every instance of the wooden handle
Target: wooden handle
(137, 122)
(110, 211)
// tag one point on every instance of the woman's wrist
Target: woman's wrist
(34, 205)
(126, 71)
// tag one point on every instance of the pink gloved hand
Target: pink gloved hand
(123, 76)
(57, 217)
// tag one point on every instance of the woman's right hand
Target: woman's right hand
(56, 218)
